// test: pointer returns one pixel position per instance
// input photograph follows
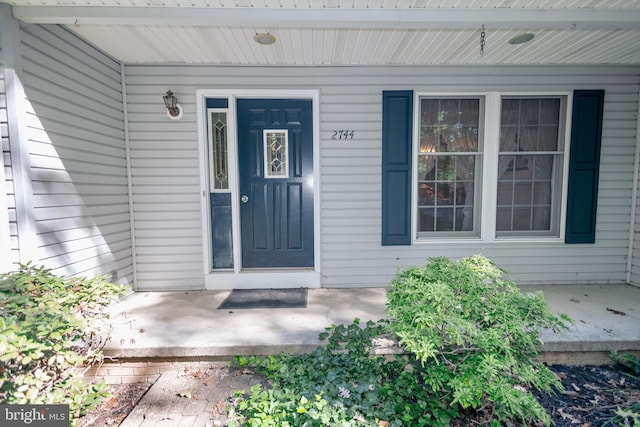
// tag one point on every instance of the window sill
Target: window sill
(498, 240)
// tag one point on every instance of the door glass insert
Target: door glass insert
(219, 150)
(275, 153)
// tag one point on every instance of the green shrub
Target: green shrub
(475, 336)
(50, 327)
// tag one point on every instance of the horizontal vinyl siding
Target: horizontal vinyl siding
(77, 154)
(166, 190)
(165, 159)
(356, 242)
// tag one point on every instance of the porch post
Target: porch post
(127, 150)
(634, 224)
(5, 234)
(17, 130)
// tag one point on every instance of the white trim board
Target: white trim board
(393, 18)
(262, 279)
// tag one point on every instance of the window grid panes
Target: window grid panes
(448, 164)
(219, 151)
(529, 166)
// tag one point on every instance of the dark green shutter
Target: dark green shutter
(397, 125)
(584, 166)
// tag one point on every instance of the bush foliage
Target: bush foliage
(472, 343)
(628, 415)
(476, 336)
(49, 327)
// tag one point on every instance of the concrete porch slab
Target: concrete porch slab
(607, 317)
(189, 325)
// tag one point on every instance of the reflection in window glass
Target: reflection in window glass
(529, 166)
(448, 165)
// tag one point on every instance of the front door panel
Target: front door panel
(275, 150)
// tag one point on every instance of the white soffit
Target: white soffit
(300, 46)
(355, 32)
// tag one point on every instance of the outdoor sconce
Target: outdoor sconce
(174, 110)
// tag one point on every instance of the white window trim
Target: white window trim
(488, 195)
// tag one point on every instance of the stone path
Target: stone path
(191, 397)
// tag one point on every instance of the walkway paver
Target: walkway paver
(191, 397)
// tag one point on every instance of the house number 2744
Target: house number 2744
(343, 134)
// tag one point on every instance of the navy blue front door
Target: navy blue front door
(275, 150)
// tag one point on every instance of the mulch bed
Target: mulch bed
(591, 397)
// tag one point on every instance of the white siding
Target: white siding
(76, 150)
(167, 188)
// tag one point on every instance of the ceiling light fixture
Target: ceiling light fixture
(522, 38)
(264, 39)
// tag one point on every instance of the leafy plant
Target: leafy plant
(472, 341)
(475, 336)
(49, 327)
(628, 360)
(627, 415)
(341, 384)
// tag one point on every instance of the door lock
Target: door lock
(244, 198)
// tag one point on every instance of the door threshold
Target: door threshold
(277, 270)
(262, 279)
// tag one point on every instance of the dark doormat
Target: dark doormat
(265, 298)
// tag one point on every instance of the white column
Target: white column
(16, 119)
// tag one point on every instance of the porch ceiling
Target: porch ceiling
(350, 32)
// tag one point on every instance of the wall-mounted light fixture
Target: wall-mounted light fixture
(174, 110)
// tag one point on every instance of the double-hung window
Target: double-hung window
(448, 165)
(530, 165)
(522, 164)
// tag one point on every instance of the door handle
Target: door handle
(244, 198)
